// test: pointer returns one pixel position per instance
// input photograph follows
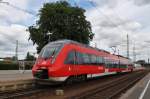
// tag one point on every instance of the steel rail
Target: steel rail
(104, 87)
(117, 93)
(19, 93)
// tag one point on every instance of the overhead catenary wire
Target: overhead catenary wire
(18, 8)
(116, 26)
(24, 10)
(105, 16)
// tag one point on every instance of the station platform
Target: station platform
(141, 90)
(9, 75)
(15, 79)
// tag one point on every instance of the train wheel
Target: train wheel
(78, 78)
(83, 77)
(70, 80)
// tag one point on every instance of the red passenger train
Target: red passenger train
(67, 60)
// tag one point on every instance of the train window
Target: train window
(113, 64)
(90, 59)
(86, 59)
(107, 63)
(93, 59)
(70, 58)
(110, 65)
(116, 65)
(100, 60)
(79, 58)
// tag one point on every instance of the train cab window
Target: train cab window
(70, 58)
(49, 51)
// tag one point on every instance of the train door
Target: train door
(106, 66)
(74, 66)
(118, 66)
(71, 62)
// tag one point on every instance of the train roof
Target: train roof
(123, 56)
(66, 41)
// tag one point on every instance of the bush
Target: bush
(8, 66)
(12, 66)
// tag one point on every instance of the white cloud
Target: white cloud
(12, 18)
(13, 12)
(111, 22)
(141, 2)
(9, 35)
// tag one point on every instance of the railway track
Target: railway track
(111, 89)
(20, 93)
(107, 88)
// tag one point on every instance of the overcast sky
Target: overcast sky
(111, 21)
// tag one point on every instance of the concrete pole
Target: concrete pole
(134, 54)
(95, 45)
(128, 54)
(16, 55)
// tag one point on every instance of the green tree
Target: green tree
(63, 21)
(30, 57)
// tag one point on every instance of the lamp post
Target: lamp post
(95, 45)
(118, 59)
(148, 42)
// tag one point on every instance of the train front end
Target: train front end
(44, 68)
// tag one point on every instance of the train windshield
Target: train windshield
(49, 51)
